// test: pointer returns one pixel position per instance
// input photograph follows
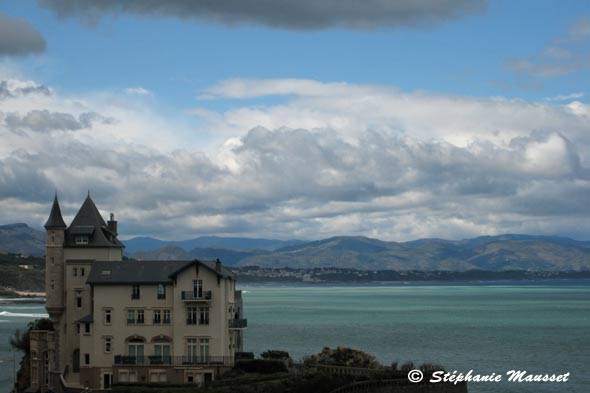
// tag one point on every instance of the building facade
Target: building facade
(127, 321)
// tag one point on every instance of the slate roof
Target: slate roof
(89, 222)
(55, 219)
(144, 272)
(87, 318)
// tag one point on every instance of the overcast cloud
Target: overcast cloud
(331, 159)
(18, 37)
(285, 14)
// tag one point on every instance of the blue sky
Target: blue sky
(176, 58)
(472, 80)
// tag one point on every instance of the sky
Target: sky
(299, 119)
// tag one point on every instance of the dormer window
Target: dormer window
(82, 239)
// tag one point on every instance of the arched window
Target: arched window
(162, 349)
(135, 349)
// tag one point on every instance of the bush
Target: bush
(407, 367)
(342, 356)
(262, 366)
(275, 354)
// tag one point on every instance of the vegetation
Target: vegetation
(21, 341)
(299, 378)
(343, 356)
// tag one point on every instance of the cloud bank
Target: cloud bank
(331, 159)
(284, 14)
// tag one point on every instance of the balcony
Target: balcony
(192, 296)
(174, 360)
(238, 323)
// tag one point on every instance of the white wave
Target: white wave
(22, 299)
(17, 314)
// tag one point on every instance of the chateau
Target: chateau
(126, 321)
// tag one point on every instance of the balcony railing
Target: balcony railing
(238, 323)
(174, 360)
(196, 296)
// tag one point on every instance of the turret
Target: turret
(54, 261)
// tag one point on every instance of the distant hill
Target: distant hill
(21, 239)
(233, 243)
(494, 253)
(229, 257)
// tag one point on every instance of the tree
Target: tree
(22, 341)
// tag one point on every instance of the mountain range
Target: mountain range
(494, 253)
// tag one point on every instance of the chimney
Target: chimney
(112, 224)
(218, 266)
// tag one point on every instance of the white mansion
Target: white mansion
(127, 321)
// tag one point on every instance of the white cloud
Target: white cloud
(330, 159)
(139, 91)
(566, 97)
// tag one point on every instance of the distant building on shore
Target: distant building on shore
(125, 321)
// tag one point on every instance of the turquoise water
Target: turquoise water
(539, 327)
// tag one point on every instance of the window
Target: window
(107, 344)
(82, 271)
(204, 316)
(132, 376)
(157, 317)
(135, 349)
(46, 367)
(191, 347)
(191, 315)
(77, 328)
(161, 291)
(75, 271)
(123, 376)
(198, 289)
(135, 292)
(204, 347)
(81, 239)
(135, 317)
(52, 261)
(107, 316)
(162, 351)
(158, 376)
(79, 299)
(87, 359)
(86, 328)
(131, 316)
(167, 316)
(105, 272)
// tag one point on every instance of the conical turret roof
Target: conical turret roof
(88, 222)
(55, 219)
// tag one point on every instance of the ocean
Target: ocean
(539, 327)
